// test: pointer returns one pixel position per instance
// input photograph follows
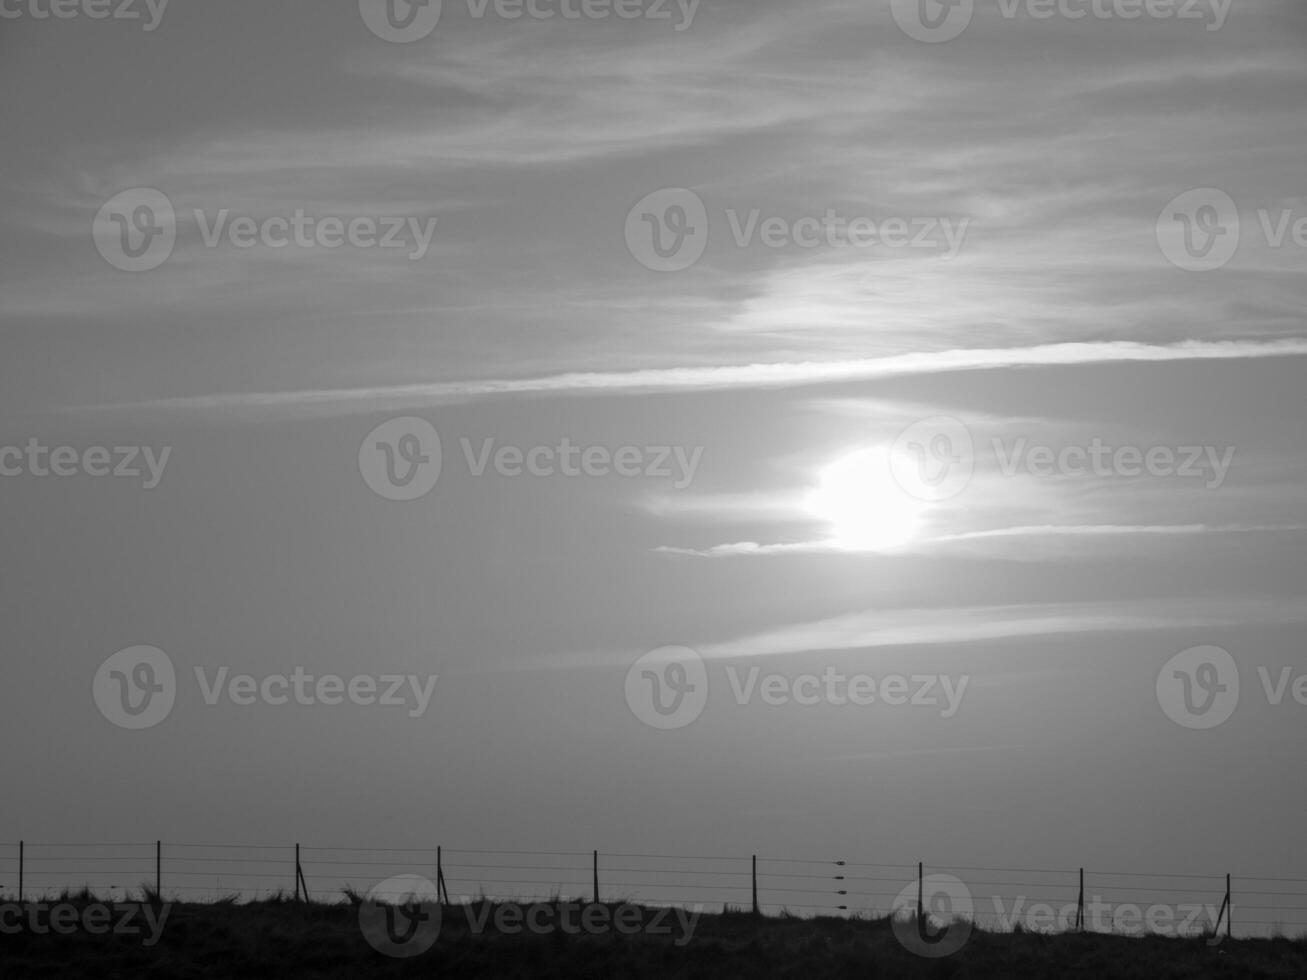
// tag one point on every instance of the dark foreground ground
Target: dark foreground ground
(281, 939)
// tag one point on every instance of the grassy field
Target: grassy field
(282, 939)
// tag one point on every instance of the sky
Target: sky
(809, 338)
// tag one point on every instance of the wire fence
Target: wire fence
(1038, 899)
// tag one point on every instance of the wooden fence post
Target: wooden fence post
(1080, 904)
(442, 890)
(921, 897)
(755, 886)
(596, 877)
(297, 872)
(21, 849)
(1227, 910)
(158, 868)
(1229, 914)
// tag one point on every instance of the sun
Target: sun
(864, 505)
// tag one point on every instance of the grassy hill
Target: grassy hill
(285, 940)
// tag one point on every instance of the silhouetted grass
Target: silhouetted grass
(280, 938)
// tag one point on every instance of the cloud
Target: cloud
(780, 375)
(753, 549)
(1095, 530)
(974, 624)
(958, 625)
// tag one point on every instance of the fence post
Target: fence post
(442, 890)
(755, 886)
(1080, 904)
(158, 868)
(596, 877)
(301, 885)
(21, 848)
(1227, 910)
(921, 897)
(1229, 913)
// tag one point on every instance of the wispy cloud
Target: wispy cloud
(743, 549)
(959, 626)
(780, 375)
(965, 625)
(1096, 530)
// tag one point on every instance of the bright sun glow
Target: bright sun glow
(866, 508)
